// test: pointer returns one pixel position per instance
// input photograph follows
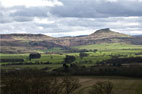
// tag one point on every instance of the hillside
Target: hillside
(25, 43)
(110, 46)
(30, 37)
(100, 36)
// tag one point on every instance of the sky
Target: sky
(59, 18)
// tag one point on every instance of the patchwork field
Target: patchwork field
(105, 52)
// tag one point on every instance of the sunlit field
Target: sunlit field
(105, 52)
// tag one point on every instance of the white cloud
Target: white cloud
(43, 20)
(30, 3)
(41, 28)
(112, 0)
(123, 24)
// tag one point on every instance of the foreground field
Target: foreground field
(121, 85)
(24, 81)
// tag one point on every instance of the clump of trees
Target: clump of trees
(34, 55)
(69, 59)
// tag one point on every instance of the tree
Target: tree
(34, 55)
(69, 59)
(102, 88)
(82, 54)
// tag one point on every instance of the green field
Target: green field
(105, 52)
(110, 46)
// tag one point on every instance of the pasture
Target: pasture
(104, 52)
(110, 46)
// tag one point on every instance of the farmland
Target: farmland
(105, 52)
(88, 74)
(110, 46)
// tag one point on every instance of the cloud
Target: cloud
(30, 3)
(31, 12)
(98, 8)
(68, 8)
(58, 27)
(43, 21)
(70, 17)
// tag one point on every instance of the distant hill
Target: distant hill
(25, 43)
(35, 37)
(137, 35)
(19, 43)
(107, 33)
(100, 36)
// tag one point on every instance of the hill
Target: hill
(25, 43)
(33, 37)
(100, 36)
(107, 33)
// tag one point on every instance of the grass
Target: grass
(105, 51)
(110, 46)
(55, 49)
